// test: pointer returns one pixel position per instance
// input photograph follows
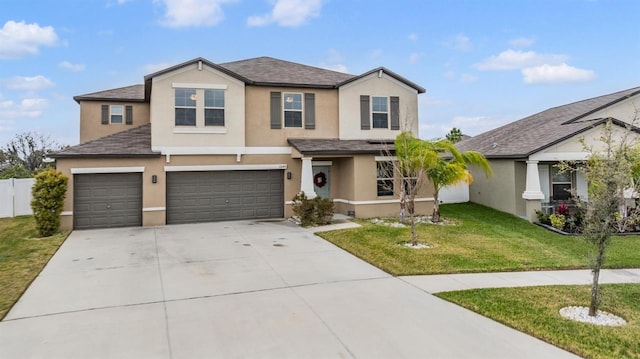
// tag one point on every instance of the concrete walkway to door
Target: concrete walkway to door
(238, 289)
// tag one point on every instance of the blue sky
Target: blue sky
(483, 62)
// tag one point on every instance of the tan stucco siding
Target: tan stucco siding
(164, 131)
(590, 139)
(624, 111)
(153, 194)
(520, 176)
(91, 126)
(258, 116)
(372, 85)
(498, 191)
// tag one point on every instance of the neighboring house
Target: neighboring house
(523, 154)
(202, 142)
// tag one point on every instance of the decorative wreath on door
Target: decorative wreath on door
(320, 179)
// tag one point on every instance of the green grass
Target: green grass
(22, 257)
(534, 310)
(483, 240)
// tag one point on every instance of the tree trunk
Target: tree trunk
(414, 234)
(595, 290)
(403, 206)
(435, 217)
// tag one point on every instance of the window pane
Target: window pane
(560, 176)
(214, 98)
(185, 97)
(293, 119)
(384, 169)
(185, 117)
(214, 117)
(116, 118)
(561, 192)
(292, 101)
(380, 120)
(379, 104)
(385, 187)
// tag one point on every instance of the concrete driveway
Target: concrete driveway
(238, 289)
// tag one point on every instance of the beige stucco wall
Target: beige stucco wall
(372, 85)
(520, 176)
(498, 191)
(258, 116)
(163, 110)
(591, 139)
(625, 110)
(91, 127)
(153, 194)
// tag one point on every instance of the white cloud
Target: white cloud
(27, 108)
(516, 59)
(185, 13)
(18, 39)
(72, 67)
(334, 62)
(413, 37)
(460, 43)
(521, 42)
(556, 74)
(288, 13)
(28, 83)
(415, 57)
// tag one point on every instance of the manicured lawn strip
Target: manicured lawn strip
(484, 240)
(534, 310)
(22, 257)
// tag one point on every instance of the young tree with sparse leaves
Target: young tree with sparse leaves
(24, 155)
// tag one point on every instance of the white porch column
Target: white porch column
(306, 178)
(532, 189)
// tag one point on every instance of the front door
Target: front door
(321, 180)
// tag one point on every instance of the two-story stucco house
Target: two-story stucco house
(202, 142)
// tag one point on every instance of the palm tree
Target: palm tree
(451, 167)
(455, 135)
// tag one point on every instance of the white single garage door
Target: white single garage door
(194, 197)
(107, 200)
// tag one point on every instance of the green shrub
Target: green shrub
(543, 217)
(312, 211)
(557, 221)
(48, 192)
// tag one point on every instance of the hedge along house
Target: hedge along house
(523, 154)
(204, 142)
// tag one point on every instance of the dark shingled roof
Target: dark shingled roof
(531, 134)
(270, 71)
(313, 146)
(134, 93)
(135, 142)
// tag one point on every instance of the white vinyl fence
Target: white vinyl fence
(458, 193)
(15, 197)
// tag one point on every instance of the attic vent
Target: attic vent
(494, 145)
(199, 65)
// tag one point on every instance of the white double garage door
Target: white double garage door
(104, 200)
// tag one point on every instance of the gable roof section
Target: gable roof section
(388, 72)
(532, 134)
(312, 146)
(135, 142)
(134, 93)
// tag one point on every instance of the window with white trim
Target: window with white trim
(185, 107)
(214, 107)
(561, 184)
(380, 112)
(384, 178)
(116, 114)
(292, 107)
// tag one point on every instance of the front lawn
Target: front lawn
(483, 240)
(534, 310)
(22, 257)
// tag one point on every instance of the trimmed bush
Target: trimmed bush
(48, 192)
(558, 221)
(312, 211)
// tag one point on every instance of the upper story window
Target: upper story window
(117, 114)
(292, 109)
(185, 107)
(214, 107)
(379, 112)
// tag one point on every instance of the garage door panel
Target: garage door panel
(224, 195)
(107, 200)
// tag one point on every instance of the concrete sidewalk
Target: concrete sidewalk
(451, 282)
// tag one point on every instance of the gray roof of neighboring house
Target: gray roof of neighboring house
(314, 146)
(532, 134)
(259, 71)
(135, 142)
(134, 93)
